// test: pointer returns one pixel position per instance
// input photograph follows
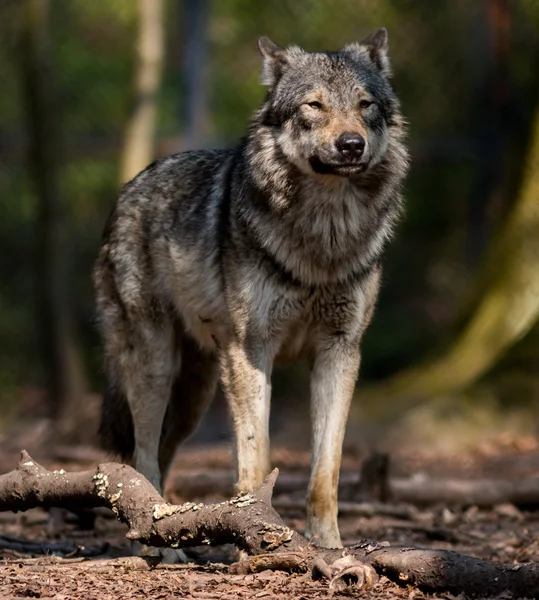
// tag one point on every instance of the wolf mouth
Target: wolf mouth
(344, 169)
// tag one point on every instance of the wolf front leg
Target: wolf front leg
(333, 378)
(246, 378)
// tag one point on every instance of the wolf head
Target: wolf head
(330, 112)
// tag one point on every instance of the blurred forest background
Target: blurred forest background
(93, 90)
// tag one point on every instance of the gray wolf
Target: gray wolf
(215, 264)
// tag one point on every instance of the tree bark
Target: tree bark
(507, 311)
(140, 132)
(194, 75)
(250, 522)
(63, 365)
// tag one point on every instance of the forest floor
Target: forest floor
(501, 533)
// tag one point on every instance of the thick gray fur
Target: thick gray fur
(215, 264)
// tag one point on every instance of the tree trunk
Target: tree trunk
(507, 311)
(489, 56)
(62, 362)
(139, 138)
(195, 80)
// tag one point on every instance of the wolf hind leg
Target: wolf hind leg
(192, 391)
(143, 360)
(146, 369)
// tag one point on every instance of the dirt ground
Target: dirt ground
(98, 564)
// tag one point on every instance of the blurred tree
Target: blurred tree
(66, 381)
(194, 72)
(138, 150)
(448, 62)
(490, 63)
(507, 310)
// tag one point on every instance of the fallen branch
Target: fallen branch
(8, 542)
(251, 523)
(523, 493)
(201, 483)
(355, 509)
(477, 492)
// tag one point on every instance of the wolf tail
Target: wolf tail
(116, 428)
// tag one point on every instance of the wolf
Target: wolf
(215, 264)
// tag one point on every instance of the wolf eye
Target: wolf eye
(364, 103)
(315, 105)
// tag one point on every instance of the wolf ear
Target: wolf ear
(375, 47)
(274, 61)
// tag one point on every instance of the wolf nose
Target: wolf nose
(351, 145)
